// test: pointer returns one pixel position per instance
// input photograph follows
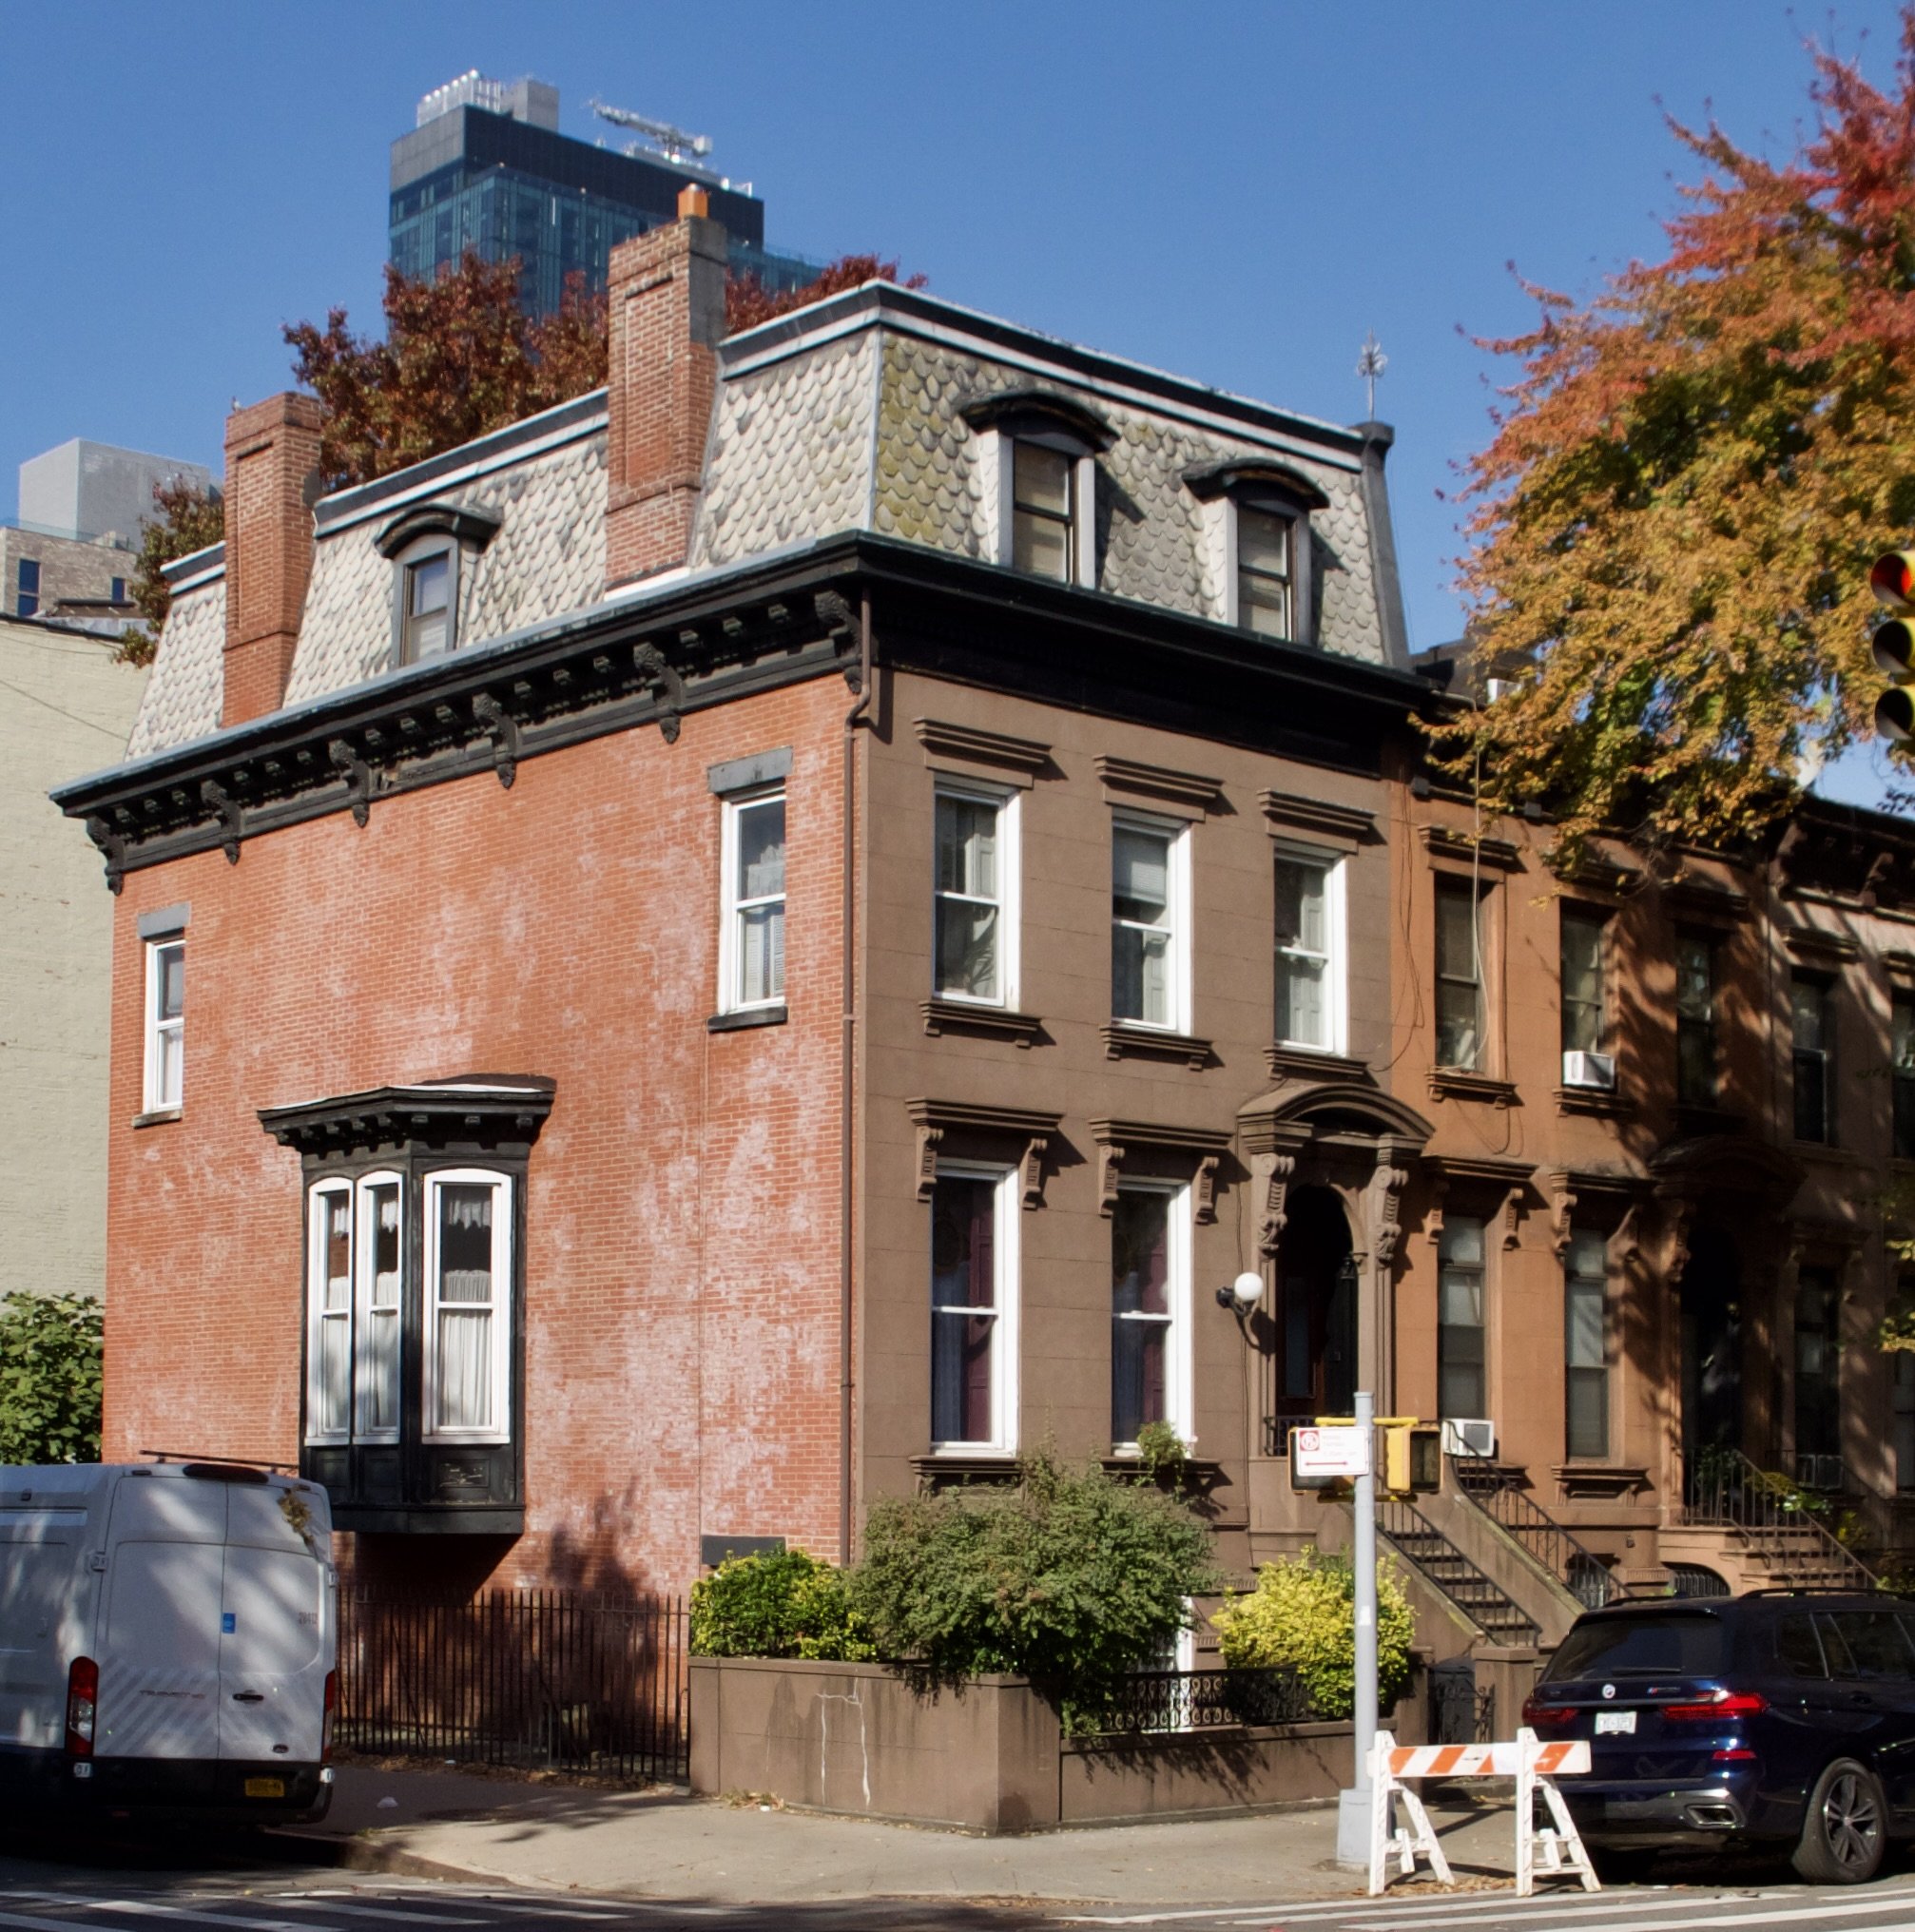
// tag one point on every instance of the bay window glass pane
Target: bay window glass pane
(967, 899)
(466, 1308)
(1461, 1385)
(332, 1341)
(379, 1336)
(1140, 1277)
(963, 1309)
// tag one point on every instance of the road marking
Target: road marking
(336, 1905)
(1820, 1908)
(147, 1908)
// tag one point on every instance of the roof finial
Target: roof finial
(1371, 362)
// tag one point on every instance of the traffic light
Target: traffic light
(1892, 579)
(1412, 1461)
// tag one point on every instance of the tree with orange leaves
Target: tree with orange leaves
(1671, 529)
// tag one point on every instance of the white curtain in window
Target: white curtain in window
(380, 1323)
(332, 1395)
(465, 1319)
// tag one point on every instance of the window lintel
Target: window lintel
(496, 1113)
(1031, 413)
(471, 529)
(1258, 483)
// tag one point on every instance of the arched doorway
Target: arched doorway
(1710, 1299)
(1313, 1355)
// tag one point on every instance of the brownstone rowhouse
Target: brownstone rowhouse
(781, 930)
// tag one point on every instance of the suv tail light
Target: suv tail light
(332, 1712)
(1539, 1716)
(83, 1705)
(1724, 1706)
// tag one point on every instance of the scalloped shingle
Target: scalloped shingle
(183, 695)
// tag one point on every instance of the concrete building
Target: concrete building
(485, 170)
(82, 507)
(779, 932)
(66, 707)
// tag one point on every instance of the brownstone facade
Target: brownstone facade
(874, 998)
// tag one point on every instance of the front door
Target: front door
(1710, 1301)
(1314, 1354)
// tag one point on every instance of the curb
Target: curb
(369, 1855)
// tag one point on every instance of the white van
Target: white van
(168, 1639)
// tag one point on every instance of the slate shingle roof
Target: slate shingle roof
(845, 416)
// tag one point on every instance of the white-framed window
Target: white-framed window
(1310, 970)
(751, 936)
(973, 1309)
(1042, 510)
(466, 1306)
(974, 909)
(1150, 1310)
(353, 1274)
(426, 594)
(1151, 923)
(1264, 578)
(1460, 1011)
(166, 1023)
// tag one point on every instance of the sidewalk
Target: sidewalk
(669, 1846)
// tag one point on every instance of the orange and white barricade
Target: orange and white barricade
(1554, 1850)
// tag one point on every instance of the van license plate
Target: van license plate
(1616, 1723)
(265, 1787)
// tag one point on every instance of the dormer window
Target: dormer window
(426, 624)
(1043, 535)
(431, 546)
(1257, 529)
(1039, 464)
(1266, 571)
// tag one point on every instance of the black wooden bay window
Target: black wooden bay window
(412, 1358)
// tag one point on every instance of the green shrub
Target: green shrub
(1071, 1578)
(786, 1604)
(1302, 1617)
(1161, 1452)
(49, 1378)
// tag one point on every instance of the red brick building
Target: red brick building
(780, 931)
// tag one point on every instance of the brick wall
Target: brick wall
(682, 1259)
(272, 482)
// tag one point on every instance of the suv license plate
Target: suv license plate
(1616, 1723)
(265, 1787)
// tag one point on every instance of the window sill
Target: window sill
(744, 1017)
(1309, 1063)
(1599, 1478)
(1459, 1083)
(939, 1470)
(1604, 1102)
(1123, 1041)
(157, 1116)
(962, 1015)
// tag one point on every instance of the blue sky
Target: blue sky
(1236, 192)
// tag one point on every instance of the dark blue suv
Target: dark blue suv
(1780, 1719)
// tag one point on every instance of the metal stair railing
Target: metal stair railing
(1725, 1490)
(1495, 1490)
(1442, 1565)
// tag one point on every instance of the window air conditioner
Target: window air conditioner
(1472, 1438)
(1589, 1069)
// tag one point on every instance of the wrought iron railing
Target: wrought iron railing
(1421, 1544)
(1461, 1710)
(1577, 1569)
(532, 1679)
(1203, 1700)
(1722, 1488)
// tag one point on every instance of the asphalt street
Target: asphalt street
(217, 1887)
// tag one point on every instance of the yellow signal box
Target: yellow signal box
(1407, 1458)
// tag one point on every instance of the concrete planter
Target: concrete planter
(854, 1739)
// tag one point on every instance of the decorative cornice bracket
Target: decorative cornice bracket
(502, 728)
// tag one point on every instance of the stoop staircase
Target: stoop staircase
(1757, 1534)
(1435, 1557)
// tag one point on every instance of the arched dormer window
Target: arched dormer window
(1258, 523)
(428, 546)
(1040, 468)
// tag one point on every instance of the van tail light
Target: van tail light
(83, 1705)
(1723, 1708)
(332, 1711)
(1540, 1716)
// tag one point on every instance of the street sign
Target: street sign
(1330, 1452)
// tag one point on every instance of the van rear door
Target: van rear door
(276, 1632)
(160, 1652)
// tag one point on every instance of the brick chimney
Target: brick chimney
(667, 298)
(272, 482)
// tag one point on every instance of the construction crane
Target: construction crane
(673, 143)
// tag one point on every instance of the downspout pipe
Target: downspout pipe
(859, 713)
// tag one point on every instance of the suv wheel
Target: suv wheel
(1843, 1834)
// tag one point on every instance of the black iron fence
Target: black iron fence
(1494, 1489)
(1201, 1700)
(532, 1679)
(1776, 1521)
